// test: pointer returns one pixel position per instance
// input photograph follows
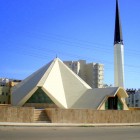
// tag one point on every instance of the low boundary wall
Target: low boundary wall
(134, 108)
(56, 115)
(40, 105)
(93, 116)
(16, 114)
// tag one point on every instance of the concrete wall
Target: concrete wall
(134, 108)
(119, 65)
(93, 116)
(16, 114)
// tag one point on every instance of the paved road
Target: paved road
(69, 133)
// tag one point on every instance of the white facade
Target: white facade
(119, 65)
(73, 65)
(4, 81)
(134, 98)
(137, 99)
(91, 73)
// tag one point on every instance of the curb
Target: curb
(67, 125)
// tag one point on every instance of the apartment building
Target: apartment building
(4, 94)
(134, 98)
(91, 73)
(4, 81)
(5, 89)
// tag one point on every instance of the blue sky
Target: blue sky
(33, 32)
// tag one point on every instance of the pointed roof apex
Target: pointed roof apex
(118, 38)
(57, 59)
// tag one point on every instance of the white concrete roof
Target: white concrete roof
(92, 98)
(60, 83)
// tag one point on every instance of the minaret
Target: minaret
(118, 51)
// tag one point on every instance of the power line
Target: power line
(33, 49)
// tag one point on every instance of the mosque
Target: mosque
(57, 85)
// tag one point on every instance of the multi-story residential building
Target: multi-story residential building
(4, 81)
(91, 73)
(5, 89)
(137, 99)
(134, 98)
(4, 94)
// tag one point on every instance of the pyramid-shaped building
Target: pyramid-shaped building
(60, 84)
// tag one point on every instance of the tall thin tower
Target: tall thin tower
(118, 51)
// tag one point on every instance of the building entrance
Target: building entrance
(113, 103)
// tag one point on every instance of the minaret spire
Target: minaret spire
(118, 51)
(118, 38)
